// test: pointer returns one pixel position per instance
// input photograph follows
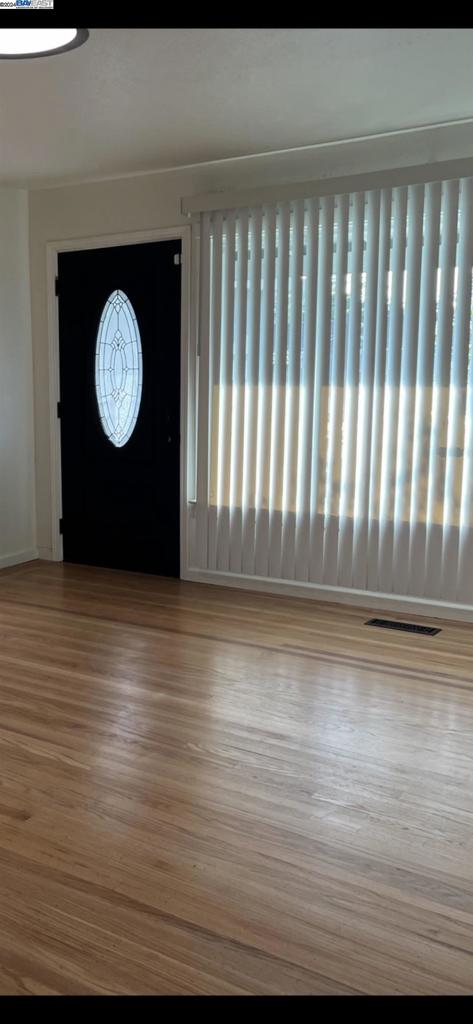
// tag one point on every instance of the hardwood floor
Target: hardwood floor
(212, 791)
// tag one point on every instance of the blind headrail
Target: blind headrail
(412, 175)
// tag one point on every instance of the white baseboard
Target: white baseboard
(369, 599)
(18, 557)
(373, 602)
(46, 554)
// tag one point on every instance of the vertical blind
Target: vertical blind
(335, 432)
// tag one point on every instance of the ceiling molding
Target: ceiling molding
(234, 161)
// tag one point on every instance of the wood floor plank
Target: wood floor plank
(213, 791)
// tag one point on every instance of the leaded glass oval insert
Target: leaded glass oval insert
(118, 369)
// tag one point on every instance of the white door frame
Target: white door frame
(182, 234)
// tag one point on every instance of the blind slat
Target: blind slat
(423, 390)
(333, 447)
(265, 406)
(365, 402)
(442, 359)
(291, 434)
(405, 425)
(238, 386)
(379, 374)
(391, 390)
(457, 393)
(322, 364)
(350, 397)
(215, 350)
(309, 302)
(226, 399)
(251, 396)
(279, 387)
(203, 398)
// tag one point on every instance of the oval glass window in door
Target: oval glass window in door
(118, 369)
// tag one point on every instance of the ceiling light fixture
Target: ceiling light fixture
(20, 43)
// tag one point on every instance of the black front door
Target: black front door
(119, 347)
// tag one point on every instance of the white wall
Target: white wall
(154, 201)
(17, 507)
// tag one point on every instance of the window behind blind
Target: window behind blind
(336, 391)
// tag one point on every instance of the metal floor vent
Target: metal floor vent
(406, 627)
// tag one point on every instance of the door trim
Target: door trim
(179, 234)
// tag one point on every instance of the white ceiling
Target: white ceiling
(132, 100)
